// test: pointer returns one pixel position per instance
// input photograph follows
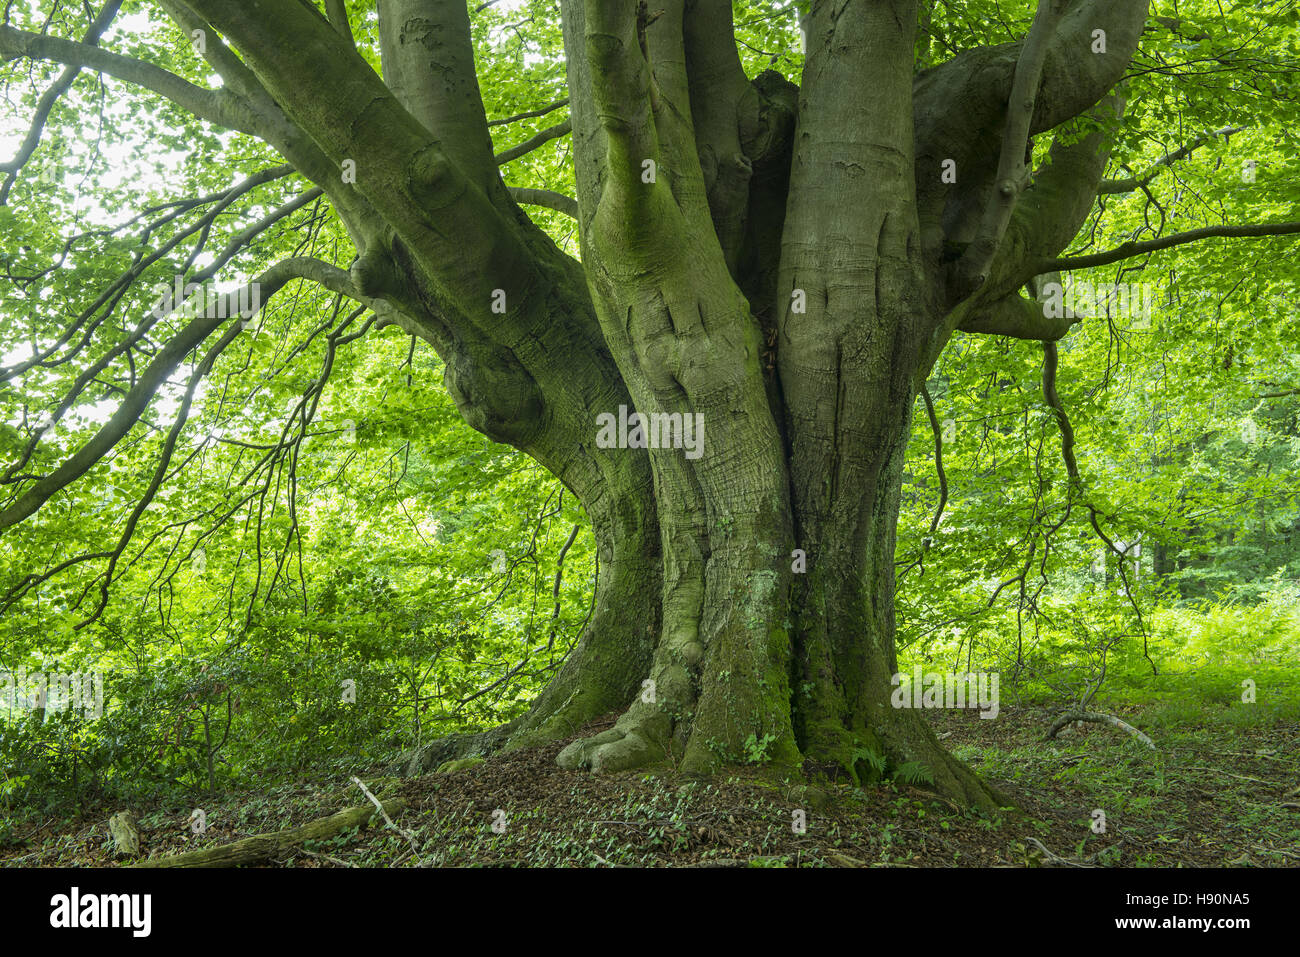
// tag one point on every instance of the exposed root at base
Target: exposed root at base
(639, 738)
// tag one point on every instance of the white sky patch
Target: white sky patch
(132, 162)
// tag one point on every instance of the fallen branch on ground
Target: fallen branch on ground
(379, 807)
(1239, 777)
(263, 847)
(1056, 858)
(1096, 717)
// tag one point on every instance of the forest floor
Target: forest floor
(1221, 790)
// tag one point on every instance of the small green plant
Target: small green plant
(756, 748)
(913, 772)
(872, 757)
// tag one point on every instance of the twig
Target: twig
(1055, 857)
(375, 801)
(1276, 850)
(1240, 777)
(327, 857)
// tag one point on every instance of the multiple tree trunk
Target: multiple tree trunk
(786, 262)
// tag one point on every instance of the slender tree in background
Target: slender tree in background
(781, 263)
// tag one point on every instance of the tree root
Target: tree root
(636, 740)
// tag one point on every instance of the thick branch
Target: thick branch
(546, 198)
(1012, 173)
(1019, 318)
(1130, 250)
(268, 847)
(1096, 717)
(620, 87)
(1050, 214)
(724, 113)
(337, 11)
(428, 63)
(273, 125)
(959, 105)
(422, 193)
(212, 105)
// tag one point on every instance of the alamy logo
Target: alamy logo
(1085, 300)
(209, 304)
(102, 910)
(53, 692)
(658, 430)
(939, 690)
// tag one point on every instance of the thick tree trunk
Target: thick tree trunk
(749, 657)
(844, 712)
(720, 669)
(613, 656)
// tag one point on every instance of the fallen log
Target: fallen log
(264, 847)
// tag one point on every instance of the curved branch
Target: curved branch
(937, 430)
(531, 114)
(1050, 214)
(1096, 717)
(414, 184)
(938, 459)
(1113, 187)
(1131, 249)
(958, 106)
(213, 105)
(50, 97)
(1019, 318)
(160, 471)
(1050, 361)
(114, 291)
(534, 142)
(150, 381)
(237, 242)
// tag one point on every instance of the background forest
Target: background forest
(335, 568)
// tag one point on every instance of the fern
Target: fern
(913, 772)
(877, 761)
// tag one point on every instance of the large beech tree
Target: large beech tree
(785, 261)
